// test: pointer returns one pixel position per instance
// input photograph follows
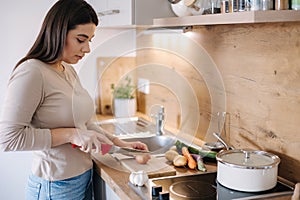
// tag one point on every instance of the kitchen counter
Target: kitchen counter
(116, 175)
(117, 179)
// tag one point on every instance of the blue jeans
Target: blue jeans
(76, 188)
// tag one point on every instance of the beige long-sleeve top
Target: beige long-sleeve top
(40, 98)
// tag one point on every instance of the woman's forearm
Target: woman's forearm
(61, 136)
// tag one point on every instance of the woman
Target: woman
(46, 110)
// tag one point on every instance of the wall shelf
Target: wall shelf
(231, 18)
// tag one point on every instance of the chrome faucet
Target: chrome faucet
(160, 121)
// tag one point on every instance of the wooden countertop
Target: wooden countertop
(118, 180)
(117, 177)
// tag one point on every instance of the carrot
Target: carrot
(191, 161)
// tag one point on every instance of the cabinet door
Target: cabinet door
(106, 8)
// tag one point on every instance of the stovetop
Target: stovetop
(205, 187)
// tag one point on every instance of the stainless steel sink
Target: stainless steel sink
(126, 126)
(156, 144)
(131, 129)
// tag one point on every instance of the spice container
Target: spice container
(233, 5)
(225, 6)
(266, 5)
(254, 5)
(281, 4)
(241, 5)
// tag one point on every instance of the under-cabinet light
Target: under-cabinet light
(171, 29)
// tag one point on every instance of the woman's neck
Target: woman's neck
(58, 66)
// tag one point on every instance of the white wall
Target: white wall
(20, 22)
(107, 43)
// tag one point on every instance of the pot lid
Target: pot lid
(248, 159)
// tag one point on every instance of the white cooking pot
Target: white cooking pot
(246, 170)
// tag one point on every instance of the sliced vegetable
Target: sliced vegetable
(203, 153)
(179, 161)
(200, 164)
(191, 162)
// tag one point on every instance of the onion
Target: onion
(142, 159)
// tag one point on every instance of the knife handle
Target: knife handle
(75, 146)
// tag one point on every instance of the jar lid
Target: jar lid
(248, 159)
(189, 2)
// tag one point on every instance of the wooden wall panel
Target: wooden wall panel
(161, 94)
(260, 67)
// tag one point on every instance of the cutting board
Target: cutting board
(155, 167)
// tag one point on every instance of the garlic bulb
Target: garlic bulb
(138, 178)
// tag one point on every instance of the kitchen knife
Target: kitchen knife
(108, 148)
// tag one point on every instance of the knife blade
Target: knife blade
(108, 148)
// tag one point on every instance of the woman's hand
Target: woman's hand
(88, 140)
(136, 145)
(141, 159)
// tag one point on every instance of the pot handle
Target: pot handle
(222, 141)
(247, 155)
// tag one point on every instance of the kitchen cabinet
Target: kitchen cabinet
(102, 191)
(231, 18)
(114, 13)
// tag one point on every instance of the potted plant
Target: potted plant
(124, 102)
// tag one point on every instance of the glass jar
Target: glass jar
(254, 5)
(266, 5)
(295, 4)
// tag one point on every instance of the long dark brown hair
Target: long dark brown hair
(62, 17)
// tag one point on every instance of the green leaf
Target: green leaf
(124, 91)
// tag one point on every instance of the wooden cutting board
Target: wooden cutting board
(155, 167)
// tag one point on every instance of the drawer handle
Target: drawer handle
(109, 12)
